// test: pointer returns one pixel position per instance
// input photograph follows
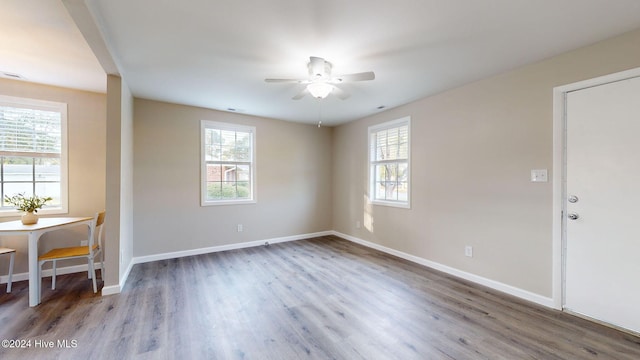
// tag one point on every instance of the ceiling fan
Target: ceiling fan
(321, 83)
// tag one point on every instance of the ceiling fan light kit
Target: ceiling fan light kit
(320, 82)
(319, 90)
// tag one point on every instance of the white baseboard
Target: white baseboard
(213, 249)
(116, 289)
(496, 285)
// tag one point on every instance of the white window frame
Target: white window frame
(18, 102)
(372, 130)
(208, 124)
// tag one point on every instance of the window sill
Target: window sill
(391, 204)
(228, 202)
(41, 212)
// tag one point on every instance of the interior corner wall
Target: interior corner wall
(471, 155)
(119, 182)
(86, 123)
(293, 180)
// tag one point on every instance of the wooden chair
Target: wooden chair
(11, 260)
(93, 249)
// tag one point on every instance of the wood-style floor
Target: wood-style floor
(322, 298)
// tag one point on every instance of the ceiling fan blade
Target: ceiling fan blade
(341, 94)
(295, 81)
(363, 76)
(301, 94)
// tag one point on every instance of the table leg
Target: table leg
(34, 279)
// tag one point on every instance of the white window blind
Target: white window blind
(30, 131)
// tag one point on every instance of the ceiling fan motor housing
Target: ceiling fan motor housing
(319, 68)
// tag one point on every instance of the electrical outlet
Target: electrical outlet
(240, 228)
(468, 251)
(84, 243)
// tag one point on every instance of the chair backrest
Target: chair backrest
(96, 224)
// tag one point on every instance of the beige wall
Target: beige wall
(472, 152)
(87, 151)
(293, 181)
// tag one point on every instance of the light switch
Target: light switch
(539, 175)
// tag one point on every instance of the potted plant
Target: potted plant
(28, 204)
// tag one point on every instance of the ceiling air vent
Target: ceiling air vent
(9, 75)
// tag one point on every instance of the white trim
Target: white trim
(559, 178)
(496, 285)
(117, 289)
(213, 249)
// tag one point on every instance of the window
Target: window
(33, 152)
(228, 163)
(389, 165)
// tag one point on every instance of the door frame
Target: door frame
(559, 177)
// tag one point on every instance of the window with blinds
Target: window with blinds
(33, 151)
(389, 163)
(228, 163)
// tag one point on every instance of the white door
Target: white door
(602, 269)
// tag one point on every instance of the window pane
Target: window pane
(243, 153)
(229, 190)
(214, 190)
(52, 190)
(214, 172)
(244, 190)
(403, 193)
(18, 169)
(48, 170)
(391, 190)
(403, 172)
(380, 190)
(212, 145)
(17, 188)
(243, 173)
(229, 173)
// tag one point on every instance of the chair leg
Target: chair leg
(53, 277)
(11, 260)
(92, 269)
(102, 263)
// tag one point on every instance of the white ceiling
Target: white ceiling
(217, 53)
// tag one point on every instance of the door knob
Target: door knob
(573, 199)
(573, 216)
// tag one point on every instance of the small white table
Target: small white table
(34, 232)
